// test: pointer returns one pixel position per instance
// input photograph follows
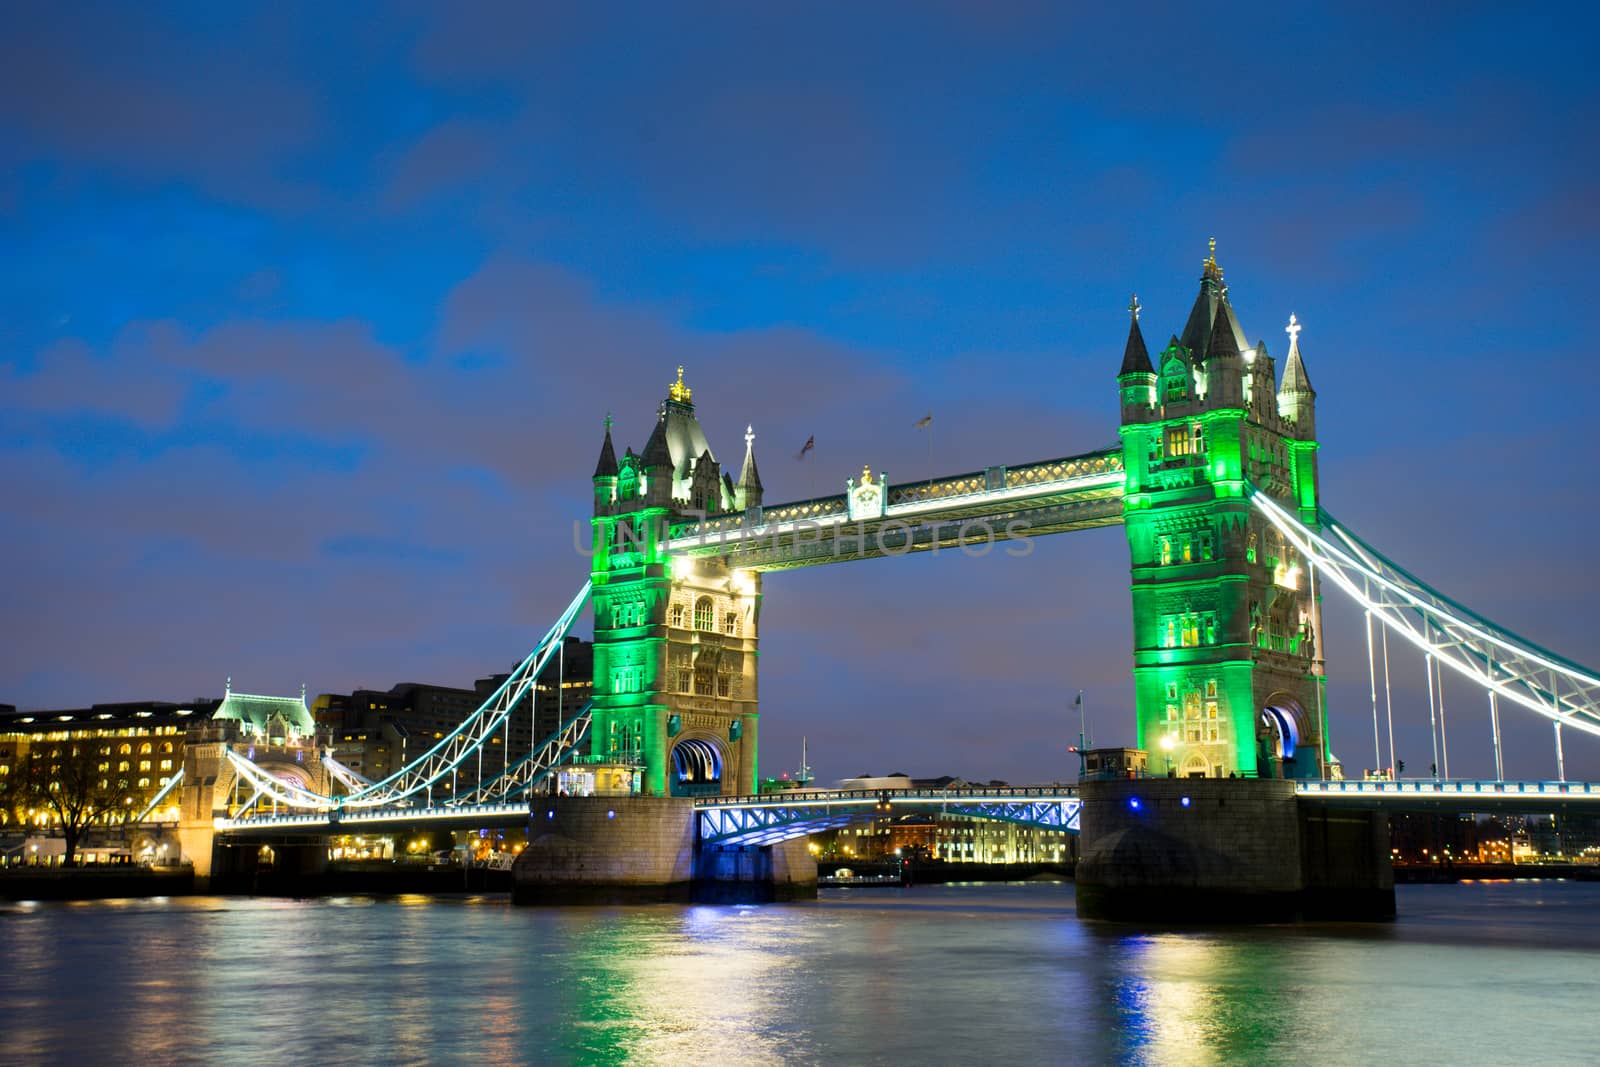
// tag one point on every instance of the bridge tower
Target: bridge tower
(1228, 667)
(675, 639)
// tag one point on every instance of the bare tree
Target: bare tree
(68, 783)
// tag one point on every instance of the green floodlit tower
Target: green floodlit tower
(1228, 668)
(674, 639)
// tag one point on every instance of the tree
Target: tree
(68, 783)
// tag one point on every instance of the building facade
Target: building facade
(676, 641)
(1228, 664)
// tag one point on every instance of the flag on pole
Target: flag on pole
(926, 421)
(811, 442)
(1077, 701)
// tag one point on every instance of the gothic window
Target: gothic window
(704, 680)
(125, 749)
(703, 614)
(1211, 687)
(730, 623)
(144, 765)
(1166, 551)
(1188, 549)
(123, 765)
(1177, 387)
(680, 679)
(1210, 629)
(1178, 441)
(1191, 705)
(166, 746)
(1169, 635)
(1191, 631)
(1198, 438)
(1205, 546)
(724, 684)
(1211, 710)
(1172, 713)
(144, 783)
(675, 618)
(1250, 550)
(1172, 690)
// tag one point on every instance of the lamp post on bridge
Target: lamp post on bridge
(1166, 746)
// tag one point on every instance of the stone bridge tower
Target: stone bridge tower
(1228, 663)
(675, 639)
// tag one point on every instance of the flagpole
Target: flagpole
(1083, 758)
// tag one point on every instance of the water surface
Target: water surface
(1476, 973)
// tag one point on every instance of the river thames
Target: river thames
(1471, 973)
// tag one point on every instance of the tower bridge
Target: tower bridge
(1216, 484)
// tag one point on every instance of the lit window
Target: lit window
(1178, 441)
(144, 765)
(1211, 687)
(1166, 551)
(166, 765)
(144, 783)
(122, 766)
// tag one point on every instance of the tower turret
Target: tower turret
(605, 471)
(1296, 398)
(749, 488)
(1137, 379)
(1224, 365)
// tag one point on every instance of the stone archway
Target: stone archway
(696, 767)
(1280, 730)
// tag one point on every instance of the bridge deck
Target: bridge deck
(1459, 795)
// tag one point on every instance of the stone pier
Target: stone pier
(1227, 850)
(629, 849)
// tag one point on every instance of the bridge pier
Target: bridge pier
(633, 849)
(1227, 850)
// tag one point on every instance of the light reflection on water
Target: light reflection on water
(1469, 974)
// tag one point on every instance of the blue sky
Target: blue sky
(311, 316)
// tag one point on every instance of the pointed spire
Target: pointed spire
(607, 467)
(656, 453)
(1135, 357)
(1295, 378)
(749, 477)
(1223, 342)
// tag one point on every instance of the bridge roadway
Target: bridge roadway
(771, 817)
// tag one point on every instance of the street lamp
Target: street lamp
(1166, 746)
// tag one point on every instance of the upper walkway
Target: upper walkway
(979, 507)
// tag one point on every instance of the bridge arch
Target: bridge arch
(1280, 728)
(697, 766)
